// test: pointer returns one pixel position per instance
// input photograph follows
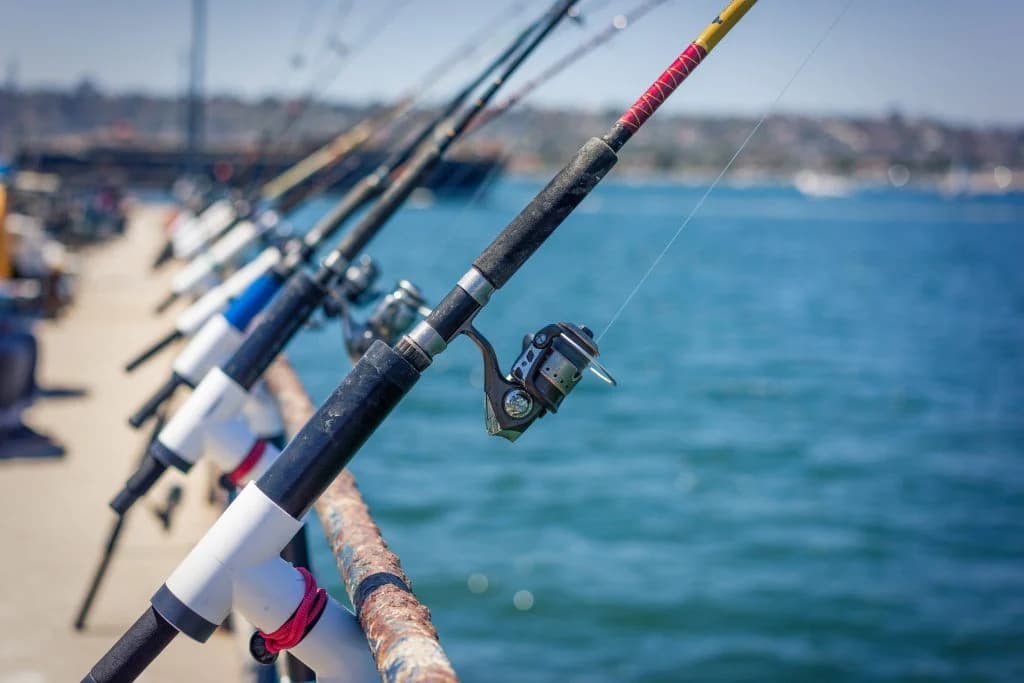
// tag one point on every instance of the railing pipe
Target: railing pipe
(397, 625)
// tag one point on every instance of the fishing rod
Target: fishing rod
(225, 389)
(394, 314)
(214, 301)
(201, 274)
(237, 559)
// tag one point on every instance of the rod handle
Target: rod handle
(163, 256)
(150, 407)
(166, 303)
(254, 299)
(134, 651)
(155, 348)
(139, 484)
(535, 223)
(285, 316)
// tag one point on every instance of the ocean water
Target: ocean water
(812, 468)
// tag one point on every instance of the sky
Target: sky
(957, 60)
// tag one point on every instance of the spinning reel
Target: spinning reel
(550, 366)
(394, 314)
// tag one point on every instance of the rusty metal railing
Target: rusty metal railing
(398, 627)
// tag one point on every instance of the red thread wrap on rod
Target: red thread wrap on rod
(667, 82)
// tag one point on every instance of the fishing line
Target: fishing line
(718, 179)
(296, 108)
(464, 51)
(326, 77)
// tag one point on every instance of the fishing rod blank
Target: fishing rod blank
(223, 391)
(198, 595)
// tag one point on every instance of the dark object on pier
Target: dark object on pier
(155, 167)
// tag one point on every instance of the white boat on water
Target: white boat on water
(815, 184)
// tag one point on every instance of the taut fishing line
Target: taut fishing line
(711, 188)
(324, 79)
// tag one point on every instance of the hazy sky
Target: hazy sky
(960, 60)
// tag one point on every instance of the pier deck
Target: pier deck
(55, 514)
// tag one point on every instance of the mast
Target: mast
(194, 114)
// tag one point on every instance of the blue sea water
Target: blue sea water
(813, 467)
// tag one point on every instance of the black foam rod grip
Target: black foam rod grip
(134, 651)
(155, 348)
(286, 315)
(535, 223)
(150, 407)
(332, 436)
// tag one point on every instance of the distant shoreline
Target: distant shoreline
(821, 155)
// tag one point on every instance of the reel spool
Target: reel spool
(393, 316)
(356, 288)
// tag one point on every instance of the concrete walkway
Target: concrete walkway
(54, 513)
